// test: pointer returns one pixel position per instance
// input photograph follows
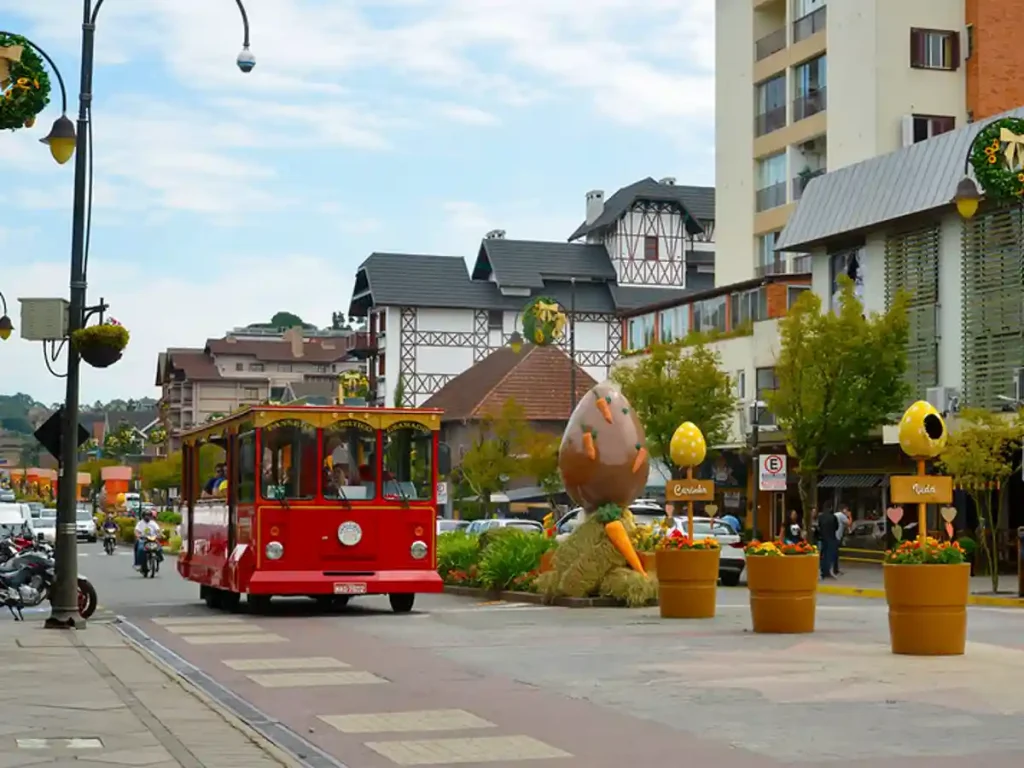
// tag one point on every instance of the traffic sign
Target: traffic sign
(773, 472)
(442, 492)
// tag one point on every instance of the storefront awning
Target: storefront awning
(851, 481)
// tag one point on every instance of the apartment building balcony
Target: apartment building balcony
(798, 265)
(810, 103)
(771, 43)
(769, 121)
(811, 24)
(770, 197)
(801, 181)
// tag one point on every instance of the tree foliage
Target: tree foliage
(122, 442)
(493, 457)
(286, 320)
(980, 458)
(540, 461)
(166, 473)
(674, 384)
(840, 376)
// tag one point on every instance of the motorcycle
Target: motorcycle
(109, 540)
(152, 554)
(27, 578)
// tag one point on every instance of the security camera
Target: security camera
(246, 61)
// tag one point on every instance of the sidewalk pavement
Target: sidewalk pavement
(866, 581)
(89, 698)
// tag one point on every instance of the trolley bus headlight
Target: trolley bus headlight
(418, 550)
(275, 550)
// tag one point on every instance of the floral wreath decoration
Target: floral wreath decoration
(24, 83)
(997, 157)
(543, 321)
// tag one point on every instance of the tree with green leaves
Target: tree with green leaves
(400, 392)
(493, 457)
(540, 461)
(841, 375)
(286, 320)
(980, 457)
(122, 442)
(674, 384)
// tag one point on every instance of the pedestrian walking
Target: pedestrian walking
(845, 521)
(828, 528)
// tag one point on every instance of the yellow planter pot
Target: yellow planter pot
(687, 581)
(927, 608)
(783, 593)
(649, 562)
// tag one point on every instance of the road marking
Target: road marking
(486, 749)
(60, 744)
(253, 639)
(224, 628)
(314, 679)
(407, 722)
(270, 665)
(168, 621)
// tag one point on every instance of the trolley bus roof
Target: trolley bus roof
(317, 416)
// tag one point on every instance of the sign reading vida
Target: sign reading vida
(921, 489)
(690, 490)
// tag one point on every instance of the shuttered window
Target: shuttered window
(992, 261)
(912, 265)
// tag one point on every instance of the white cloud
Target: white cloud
(460, 113)
(162, 311)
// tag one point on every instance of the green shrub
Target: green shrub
(494, 534)
(126, 529)
(968, 545)
(169, 516)
(174, 545)
(456, 551)
(510, 557)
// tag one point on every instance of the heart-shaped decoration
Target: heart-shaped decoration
(895, 514)
(948, 514)
(711, 510)
(949, 530)
(897, 532)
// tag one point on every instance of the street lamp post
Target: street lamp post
(64, 602)
(572, 347)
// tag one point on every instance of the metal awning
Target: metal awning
(851, 481)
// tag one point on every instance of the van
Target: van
(15, 520)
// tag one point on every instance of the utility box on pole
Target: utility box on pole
(44, 319)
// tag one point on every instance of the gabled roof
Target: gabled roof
(537, 379)
(697, 204)
(416, 280)
(315, 350)
(629, 297)
(527, 263)
(918, 178)
(195, 366)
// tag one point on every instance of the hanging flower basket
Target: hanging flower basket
(101, 345)
(543, 321)
(24, 83)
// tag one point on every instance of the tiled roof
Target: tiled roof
(628, 297)
(527, 263)
(697, 202)
(277, 351)
(537, 379)
(196, 366)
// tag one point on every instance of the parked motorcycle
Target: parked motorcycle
(27, 578)
(152, 554)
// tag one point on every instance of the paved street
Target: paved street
(461, 682)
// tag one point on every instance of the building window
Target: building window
(810, 18)
(650, 248)
(383, 321)
(927, 126)
(740, 384)
(256, 367)
(766, 381)
(239, 366)
(749, 307)
(284, 368)
(709, 315)
(640, 333)
(934, 49)
(495, 319)
(771, 191)
(673, 324)
(809, 88)
(323, 369)
(793, 293)
(770, 105)
(251, 393)
(768, 261)
(380, 366)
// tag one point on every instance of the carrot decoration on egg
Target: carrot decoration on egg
(604, 406)
(588, 444)
(641, 457)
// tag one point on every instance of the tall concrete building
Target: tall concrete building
(808, 86)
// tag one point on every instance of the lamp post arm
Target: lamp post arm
(241, 9)
(56, 70)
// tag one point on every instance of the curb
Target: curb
(223, 712)
(991, 601)
(534, 599)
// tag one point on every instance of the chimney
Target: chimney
(496, 234)
(595, 204)
(668, 181)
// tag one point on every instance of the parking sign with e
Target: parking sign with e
(773, 472)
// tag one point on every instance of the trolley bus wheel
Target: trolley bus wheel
(229, 601)
(402, 602)
(258, 603)
(210, 596)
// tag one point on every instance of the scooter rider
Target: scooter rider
(147, 526)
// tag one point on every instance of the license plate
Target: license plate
(349, 588)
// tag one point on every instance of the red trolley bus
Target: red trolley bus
(323, 501)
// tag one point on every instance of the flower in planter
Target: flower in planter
(933, 552)
(677, 540)
(778, 549)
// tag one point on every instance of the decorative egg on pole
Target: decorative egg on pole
(687, 449)
(923, 436)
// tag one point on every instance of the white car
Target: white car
(645, 512)
(447, 525)
(46, 524)
(528, 526)
(733, 559)
(85, 524)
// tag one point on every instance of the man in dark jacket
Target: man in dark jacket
(828, 541)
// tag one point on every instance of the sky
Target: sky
(410, 126)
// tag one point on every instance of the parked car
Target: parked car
(46, 524)
(85, 524)
(733, 560)
(645, 512)
(446, 525)
(7, 495)
(529, 526)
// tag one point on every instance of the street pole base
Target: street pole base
(71, 622)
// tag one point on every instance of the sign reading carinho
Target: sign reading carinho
(690, 490)
(921, 489)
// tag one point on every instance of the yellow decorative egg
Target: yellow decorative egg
(923, 433)
(688, 448)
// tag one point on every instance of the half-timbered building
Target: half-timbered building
(430, 317)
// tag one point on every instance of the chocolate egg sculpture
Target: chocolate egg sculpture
(604, 464)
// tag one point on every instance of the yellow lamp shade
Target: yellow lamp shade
(923, 432)
(61, 139)
(6, 327)
(967, 198)
(688, 448)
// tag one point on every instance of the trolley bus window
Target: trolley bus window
(350, 463)
(288, 469)
(408, 452)
(247, 467)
